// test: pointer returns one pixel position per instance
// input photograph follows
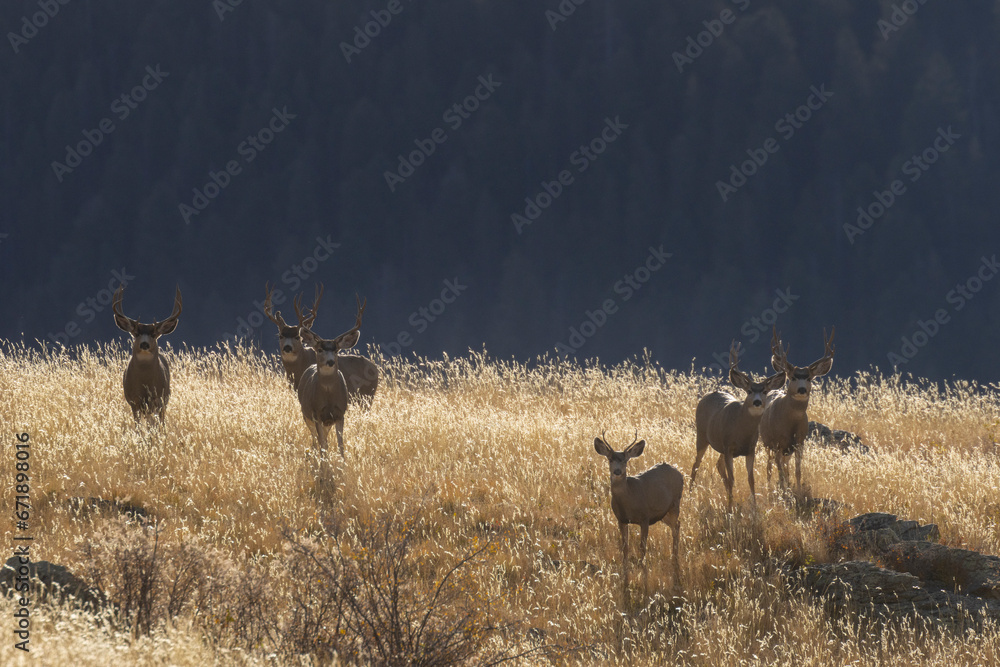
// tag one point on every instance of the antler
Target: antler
(116, 304)
(273, 316)
(635, 439)
(169, 324)
(311, 317)
(828, 342)
(361, 310)
(123, 322)
(734, 356)
(779, 357)
(178, 305)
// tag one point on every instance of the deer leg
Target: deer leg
(643, 534)
(753, 492)
(623, 529)
(770, 463)
(674, 521)
(783, 470)
(798, 467)
(702, 447)
(725, 467)
(321, 437)
(340, 436)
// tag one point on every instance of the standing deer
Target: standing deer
(147, 376)
(784, 425)
(360, 374)
(322, 389)
(650, 496)
(730, 425)
(294, 356)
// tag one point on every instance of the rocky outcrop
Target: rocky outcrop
(48, 582)
(959, 570)
(824, 436)
(876, 531)
(911, 575)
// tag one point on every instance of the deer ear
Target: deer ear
(821, 367)
(602, 447)
(308, 337)
(163, 328)
(636, 449)
(739, 380)
(348, 340)
(774, 382)
(125, 324)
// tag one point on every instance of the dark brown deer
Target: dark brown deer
(147, 376)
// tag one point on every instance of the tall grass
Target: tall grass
(476, 456)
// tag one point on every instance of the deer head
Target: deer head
(144, 335)
(327, 349)
(289, 337)
(756, 391)
(800, 379)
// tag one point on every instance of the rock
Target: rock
(823, 435)
(959, 570)
(877, 531)
(49, 580)
(860, 587)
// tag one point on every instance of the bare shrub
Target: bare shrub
(367, 596)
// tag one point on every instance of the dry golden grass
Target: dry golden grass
(475, 452)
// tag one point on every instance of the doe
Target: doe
(650, 496)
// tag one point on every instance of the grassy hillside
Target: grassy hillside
(471, 491)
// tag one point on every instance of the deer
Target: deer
(649, 497)
(322, 389)
(784, 424)
(729, 425)
(360, 374)
(147, 376)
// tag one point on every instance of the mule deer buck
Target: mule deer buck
(322, 389)
(360, 374)
(730, 425)
(784, 425)
(650, 496)
(147, 376)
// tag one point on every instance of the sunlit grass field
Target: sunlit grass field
(478, 459)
